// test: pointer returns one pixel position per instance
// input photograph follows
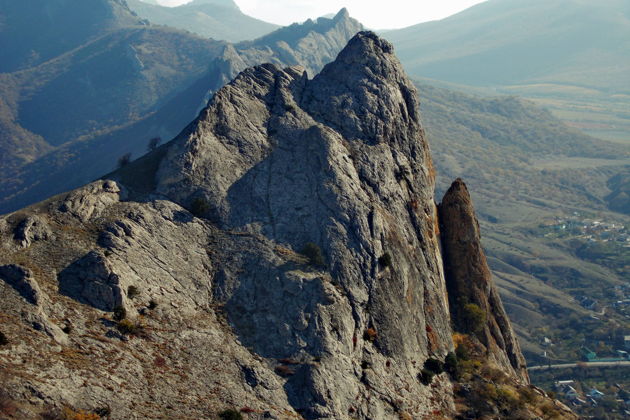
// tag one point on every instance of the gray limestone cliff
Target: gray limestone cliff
(280, 257)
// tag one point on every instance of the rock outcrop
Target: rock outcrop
(469, 282)
(22, 281)
(279, 257)
(340, 161)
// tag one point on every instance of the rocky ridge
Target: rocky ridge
(53, 115)
(280, 256)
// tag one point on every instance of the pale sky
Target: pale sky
(375, 14)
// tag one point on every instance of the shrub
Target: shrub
(67, 329)
(103, 411)
(434, 365)
(314, 254)
(199, 207)
(3, 339)
(370, 335)
(385, 260)
(230, 414)
(462, 352)
(152, 304)
(127, 327)
(124, 160)
(451, 365)
(285, 371)
(120, 313)
(474, 318)
(132, 292)
(70, 414)
(153, 143)
(426, 376)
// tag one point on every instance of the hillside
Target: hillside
(217, 19)
(61, 26)
(162, 78)
(570, 55)
(277, 259)
(527, 170)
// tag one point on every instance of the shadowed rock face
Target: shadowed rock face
(469, 281)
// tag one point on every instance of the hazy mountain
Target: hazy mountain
(108, 82)
(501, 42)
(34, 31)
(110, 96)
(573, 56)
(218, 19)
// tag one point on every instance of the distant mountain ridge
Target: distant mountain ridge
(502, 42)
(570, 56)
(101, 100)
(217, 19)
(34, 31)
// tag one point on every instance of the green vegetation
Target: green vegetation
(230, 414)
(426, 377)
(3, 339)
(314, 254)
(474, 318)
(612, 381)
(128, 327)
(132, 292)
(124, 160)
(152, 304)
(199, 207)
(385, 260)
(120, 313)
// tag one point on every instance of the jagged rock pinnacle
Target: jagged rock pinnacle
(469, 280)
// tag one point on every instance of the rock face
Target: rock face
(22, 281)
(284, 257)
(469, 282)
(340, 161)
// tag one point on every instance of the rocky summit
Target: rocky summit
(280, 258)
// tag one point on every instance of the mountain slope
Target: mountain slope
(172, 75)
(505, 42)
(61, 25)
(571, 56)
(140, 291)
(518, 160)
(218, 19)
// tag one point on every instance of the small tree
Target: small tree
(314, 254)
(385, 260)
(199, 207)
(474, 318)
(120, 313)
(124, 160)
(153, 144)
(132, 292)
(230, 414)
